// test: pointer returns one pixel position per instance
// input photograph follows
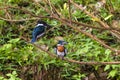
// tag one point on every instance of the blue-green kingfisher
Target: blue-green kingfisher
(39, 30)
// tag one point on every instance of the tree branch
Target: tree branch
(97, 19)
(73, 61)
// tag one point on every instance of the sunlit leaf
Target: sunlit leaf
(65, 6)
(14, 40)
(107, 67)
(107, 52)
(7, 46)
(112, 73)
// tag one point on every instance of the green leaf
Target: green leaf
(107, 67)
(65, 6)
(14, 40)
(1, 78)
(114, 66)
(112, 73)
(7, 46)
(14, 73)
(9, 74)
(107, 52)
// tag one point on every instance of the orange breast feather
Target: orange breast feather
(60, 48)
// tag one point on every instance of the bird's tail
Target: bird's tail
(33, 40)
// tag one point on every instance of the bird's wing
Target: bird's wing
(38, 31)
(40, 35)
(65, 51)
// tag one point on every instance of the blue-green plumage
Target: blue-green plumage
(39, 30)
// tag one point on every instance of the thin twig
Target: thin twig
(21, 20)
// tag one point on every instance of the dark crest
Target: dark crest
(62, 42)
(44, 23)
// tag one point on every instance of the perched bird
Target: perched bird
(39, 30)
(60, 49)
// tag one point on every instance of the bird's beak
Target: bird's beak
(65, 42)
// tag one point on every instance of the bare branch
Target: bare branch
(18, 20)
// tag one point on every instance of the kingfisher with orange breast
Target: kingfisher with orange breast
(60, 49)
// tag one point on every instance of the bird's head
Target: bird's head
(61, 42)
(42, 23)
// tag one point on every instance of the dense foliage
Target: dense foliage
(20, 60)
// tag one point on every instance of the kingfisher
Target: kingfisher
(60, 49)
(39, 30)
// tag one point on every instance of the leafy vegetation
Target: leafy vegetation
(92, 35)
